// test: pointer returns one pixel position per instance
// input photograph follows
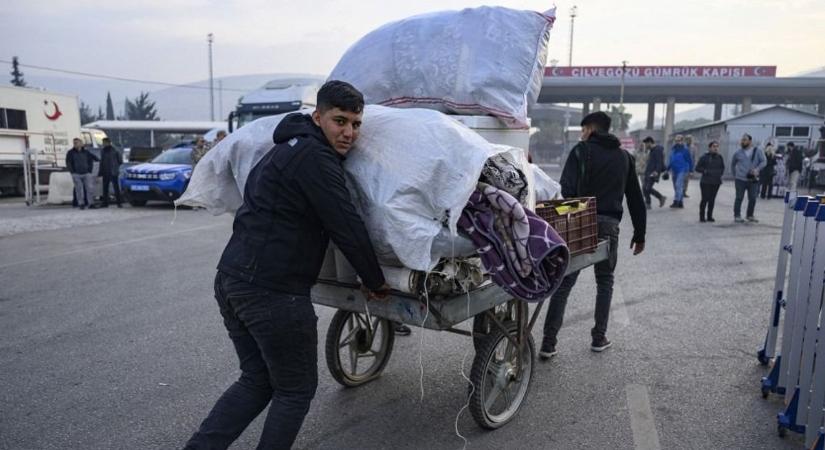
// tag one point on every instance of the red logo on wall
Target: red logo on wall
(53, 116)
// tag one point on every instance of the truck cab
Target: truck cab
(275, 97)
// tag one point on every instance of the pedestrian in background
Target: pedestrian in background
(793, 165)
(767, 173)
(219, 137)
(110, 161)
(747, 162)
(680, 165)
(693, 149)
(80, 163)
(199, 150)
(654, 168)
(712, 166)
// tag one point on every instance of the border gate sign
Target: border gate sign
(581, 72)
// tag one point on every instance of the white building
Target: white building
(776, 124)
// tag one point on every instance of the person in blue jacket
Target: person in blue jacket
(680, 164)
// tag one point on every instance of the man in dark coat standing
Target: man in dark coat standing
(110, 161)
(653, 170)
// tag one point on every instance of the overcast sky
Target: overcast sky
(166, 39)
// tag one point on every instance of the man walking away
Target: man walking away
(80, 163)
(712, 166)
(793, 165)
(295, 200)
(746, 164)
(653, 169)
(598, 167)
(681, 164)
(110, 161)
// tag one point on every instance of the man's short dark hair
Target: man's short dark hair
(598, 120)
(105, 140)
(648, 140)
(748, 136)
(791, 145)
(341, 95)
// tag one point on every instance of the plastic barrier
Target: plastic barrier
(798, 373)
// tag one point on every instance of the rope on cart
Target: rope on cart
(464, 375)
(421, 344)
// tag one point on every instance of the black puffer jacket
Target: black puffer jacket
(712, 167)
(608, 173)
(295, 199)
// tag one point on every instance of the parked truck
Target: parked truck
(278, 96)
(39, 123)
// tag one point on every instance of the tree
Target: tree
(100, 115)
(141, 108)
(110, 108)
(620, 118)
(86, 114)
(17, 75)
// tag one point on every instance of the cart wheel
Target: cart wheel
(354, 355)
(763, 359)
(781, 431)
(765, 392)
(501, 384)
(505, 312)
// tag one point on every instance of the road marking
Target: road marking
(112, 244)
(619, 309)
(645, 436)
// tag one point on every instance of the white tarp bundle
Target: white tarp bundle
(487, 60)
(411, 173)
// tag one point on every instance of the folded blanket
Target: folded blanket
(521, 252)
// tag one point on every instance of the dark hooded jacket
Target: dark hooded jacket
(295, 200)
(601, 168)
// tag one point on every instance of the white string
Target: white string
(466, 286)
(175, 215)
(421, 344)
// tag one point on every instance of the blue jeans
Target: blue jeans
(752, 187)
(679, 186)
(276, 339)
(608, 229)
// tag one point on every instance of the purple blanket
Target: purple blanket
(521, 252)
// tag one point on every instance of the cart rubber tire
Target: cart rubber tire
(483, 325)
(341, 325)
(486, 371)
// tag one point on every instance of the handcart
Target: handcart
(360, 337)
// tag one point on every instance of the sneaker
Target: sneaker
(82, 206)
(600, 344)
(547, 351)
(402, 330)
(738, 220)
(702, 219)
(753, 219)
(710, 219)
(681, 205)
(674, 205)
(662, 201)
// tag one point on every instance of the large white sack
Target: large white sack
(410, 172)
(487, 60)
(219, 177)
(545, 187)
(413, 171)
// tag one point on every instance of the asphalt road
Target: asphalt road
(110, 339)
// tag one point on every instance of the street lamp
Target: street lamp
(573, 12)
(621, 98)
(210, 38)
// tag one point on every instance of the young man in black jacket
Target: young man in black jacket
(295, 200)
(80, 163)
(598, 167)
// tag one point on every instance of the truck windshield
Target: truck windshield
(175, 156)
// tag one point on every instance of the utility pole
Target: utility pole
(573, 12)
(210, 38)
(621, 98)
